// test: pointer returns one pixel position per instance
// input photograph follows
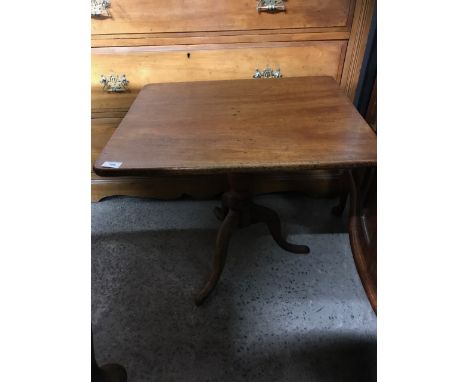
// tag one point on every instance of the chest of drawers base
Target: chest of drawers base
(315, 183)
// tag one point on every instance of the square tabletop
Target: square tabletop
(297, 123)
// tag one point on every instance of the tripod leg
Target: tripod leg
(228, 226)
(272, 220)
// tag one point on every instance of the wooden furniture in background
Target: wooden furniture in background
(363, 216)
(362, 228)
(239, 128)
(371, 114)
(361, 186)
(170, 41)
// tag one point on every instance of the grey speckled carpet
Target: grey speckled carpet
(275, 316)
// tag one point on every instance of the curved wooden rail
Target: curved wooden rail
(362, 227)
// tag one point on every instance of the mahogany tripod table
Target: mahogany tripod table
(239, 128)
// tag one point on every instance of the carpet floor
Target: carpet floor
(274, 316)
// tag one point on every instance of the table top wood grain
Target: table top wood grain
(285, 124)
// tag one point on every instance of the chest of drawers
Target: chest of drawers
(135, 42)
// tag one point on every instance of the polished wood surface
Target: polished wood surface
(298, 123)
(143, 65)
(153, 16)
(362, 228)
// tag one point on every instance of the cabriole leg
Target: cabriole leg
(272, 220)
(230, 223)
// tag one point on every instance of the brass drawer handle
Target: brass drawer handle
(268, 73)
(99, 8)
(113, 83)
(271, 6)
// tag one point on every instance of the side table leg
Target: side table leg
(272, 220)
(230, 223)
(339, 208)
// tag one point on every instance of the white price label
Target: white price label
(111, 164)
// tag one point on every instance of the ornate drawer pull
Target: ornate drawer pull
(271, 6)
(268, 73)
(99, 8)
(113, 83)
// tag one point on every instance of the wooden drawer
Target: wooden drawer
(101, 131)
(162, 16)
(143, 65)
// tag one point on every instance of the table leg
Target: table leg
(238, 211)
(230, 223)
(271, 219)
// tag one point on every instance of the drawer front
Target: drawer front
(101, 131)
(158, 16)
(205, 63)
